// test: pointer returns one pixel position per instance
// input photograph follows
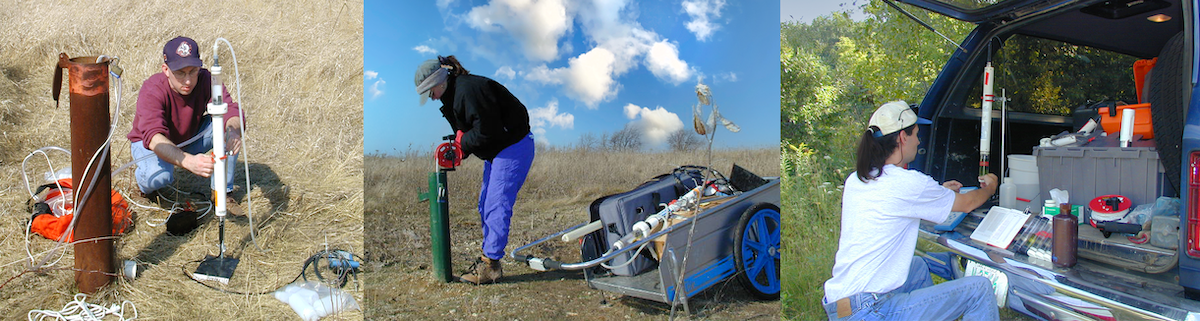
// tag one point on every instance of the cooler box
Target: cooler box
(1088, 172)
(1141, 120)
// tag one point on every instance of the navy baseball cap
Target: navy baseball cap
(181, 52)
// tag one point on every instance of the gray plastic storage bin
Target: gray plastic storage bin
(1088, 172)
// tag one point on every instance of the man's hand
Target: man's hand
(988, 180)
(970, 200)
(233, 140)
(201, 165)
(953, 185)
(458, 138)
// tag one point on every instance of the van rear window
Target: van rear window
(1051, 77)
(972, 4)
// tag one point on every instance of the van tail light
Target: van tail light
(1193, 210)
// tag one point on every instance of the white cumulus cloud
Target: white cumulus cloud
(655, 124)
(591, 76)
(702, 12)
(546, 117)
(376, 89)
(535, 24)
(631, 111)
(663, 61)
(729, 76)
(425, 50)
(588, 77)
(505, 72)
(613, 44)
(545, 75)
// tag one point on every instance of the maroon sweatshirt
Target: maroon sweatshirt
(161, 110)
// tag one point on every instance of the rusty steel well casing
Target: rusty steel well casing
(90, 121)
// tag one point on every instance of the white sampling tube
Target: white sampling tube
(1089, 127)
(1127, 116)
(580, 232)
(1064, 141)
(985, 124)
(217, 109)
(245, 135)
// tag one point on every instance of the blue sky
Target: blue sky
(578, 66)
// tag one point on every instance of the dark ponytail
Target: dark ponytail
(873, 152)
(452, 64)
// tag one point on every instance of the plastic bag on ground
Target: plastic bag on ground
(313, 300)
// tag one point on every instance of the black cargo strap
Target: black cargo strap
(39, 208)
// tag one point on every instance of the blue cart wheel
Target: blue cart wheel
(756, 250)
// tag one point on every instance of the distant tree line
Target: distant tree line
(629, 139)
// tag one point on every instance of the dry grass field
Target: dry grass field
(301, 67)
(560, 186)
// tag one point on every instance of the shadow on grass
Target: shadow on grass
(165, 245)
(541, 276)
(273, 189)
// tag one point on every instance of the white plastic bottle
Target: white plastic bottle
(1008, 194)
(1050, 209)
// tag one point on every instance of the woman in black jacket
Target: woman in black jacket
(493, 125)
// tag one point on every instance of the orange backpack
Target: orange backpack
(53, 215)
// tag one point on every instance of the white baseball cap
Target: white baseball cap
(894, 116)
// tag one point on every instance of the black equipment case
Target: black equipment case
(619, 212)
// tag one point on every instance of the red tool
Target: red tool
(449, 154)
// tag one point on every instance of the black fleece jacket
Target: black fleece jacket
(490, 117)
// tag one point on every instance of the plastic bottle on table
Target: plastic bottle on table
(1008, 194)
(1050, 209)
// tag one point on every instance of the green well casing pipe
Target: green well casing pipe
(439, 224)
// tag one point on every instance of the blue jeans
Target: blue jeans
(154, 173)
(918, 299)
(503, 177)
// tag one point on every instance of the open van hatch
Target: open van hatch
(1084, 23)
(1054, 59)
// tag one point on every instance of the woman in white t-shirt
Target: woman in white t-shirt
(875, 275)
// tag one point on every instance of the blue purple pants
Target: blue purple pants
(503, 177)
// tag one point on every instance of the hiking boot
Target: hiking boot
(163, 198)
(154, 196)
(232, 206)
(484, 270)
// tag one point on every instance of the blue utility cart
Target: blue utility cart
(738, 237)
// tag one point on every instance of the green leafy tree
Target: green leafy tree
(834, 71)
(1051, 77)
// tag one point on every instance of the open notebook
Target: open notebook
(1000, 226)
